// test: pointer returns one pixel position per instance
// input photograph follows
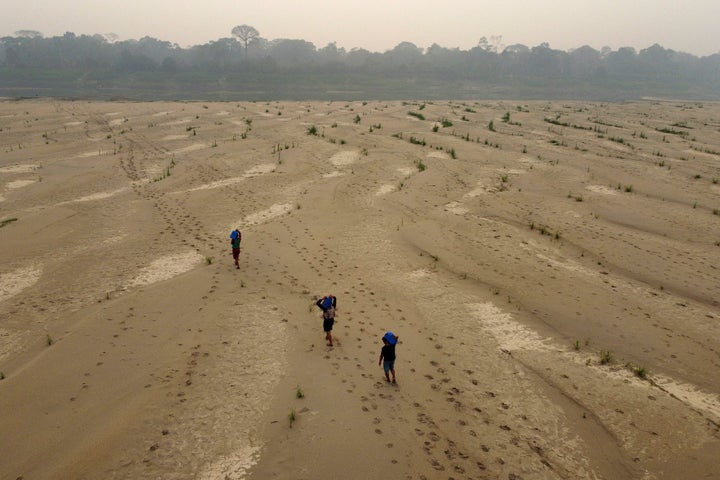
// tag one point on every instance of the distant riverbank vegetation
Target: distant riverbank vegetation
(246, 66)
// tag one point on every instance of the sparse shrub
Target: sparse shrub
(491, 126)
(452, 153)
(49, 339)
(417, 115)
(291, 417)
(606, 357)
(312, 130)
(356, 119)
(435, 128)
(640, 372)
(446, 123)
(208, 260)
(420, 165)
(299, 393)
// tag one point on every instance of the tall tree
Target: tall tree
(28, 34)
(246, 34)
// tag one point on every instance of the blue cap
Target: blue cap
(390, 338)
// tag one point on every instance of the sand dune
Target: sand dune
(554, 282)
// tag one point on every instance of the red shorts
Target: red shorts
(236, 253)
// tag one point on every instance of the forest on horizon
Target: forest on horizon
(246, 66)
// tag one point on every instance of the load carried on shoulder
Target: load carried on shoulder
(327, 304)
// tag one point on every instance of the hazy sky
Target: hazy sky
(691, 26)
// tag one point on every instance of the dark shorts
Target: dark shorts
(388, 365)
(328, 324)
(236, 253)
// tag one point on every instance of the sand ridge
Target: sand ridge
(555, 290)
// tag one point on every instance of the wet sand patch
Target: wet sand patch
(24, 168)
(262, 216)
(14, 185)
(384, 190)
(345, 158)
(14, 282)
(95, 196)
(165, 268)
(602, 189)
(456, 208)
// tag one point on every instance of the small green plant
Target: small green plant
(452, 153)
(208, 260)
(420, 165)
(506, 117)
(491, 126)
(446, 123)
(299, 393)
(640, 372)
(577, 345)
(312, 130)
(435, 128)
(356, 119)
(49, 340)
(417, 115)
(291, 417)
(606, 357)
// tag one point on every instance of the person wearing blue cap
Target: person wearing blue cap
(387, 355)
(235, 238)
(328, 304)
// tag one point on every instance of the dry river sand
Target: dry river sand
(550, 268)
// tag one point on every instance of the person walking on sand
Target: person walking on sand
(235, 238)
(328, 304)
(387, 355)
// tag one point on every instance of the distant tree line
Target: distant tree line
(249, 67)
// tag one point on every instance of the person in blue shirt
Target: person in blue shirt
(235, 238)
